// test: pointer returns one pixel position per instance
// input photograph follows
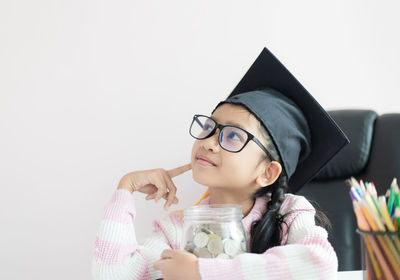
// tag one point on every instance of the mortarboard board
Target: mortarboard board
(304, 134)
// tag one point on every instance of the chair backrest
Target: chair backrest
(373, 155)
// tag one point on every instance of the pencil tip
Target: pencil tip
(397, 211)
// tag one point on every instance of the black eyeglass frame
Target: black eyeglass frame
(221, 127)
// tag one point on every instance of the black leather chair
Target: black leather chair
(373, 155)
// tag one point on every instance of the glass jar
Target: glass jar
(380, 254)
(214, 231)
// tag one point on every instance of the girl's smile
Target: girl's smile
(203, 162)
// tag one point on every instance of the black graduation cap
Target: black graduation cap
(304, 134)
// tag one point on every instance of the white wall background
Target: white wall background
(91, 90)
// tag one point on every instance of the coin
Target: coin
(200, 239)
(202, 253)
(215, 246)
(215, 240)
(213, 236)
(231, 247)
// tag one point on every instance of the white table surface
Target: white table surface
(350, 275)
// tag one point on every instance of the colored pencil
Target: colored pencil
(397, 216)
(365, 226)
(375, 265)
(391, 197)
(374, 214)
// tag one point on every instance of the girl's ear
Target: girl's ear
(270, 174)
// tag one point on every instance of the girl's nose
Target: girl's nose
(211, 143)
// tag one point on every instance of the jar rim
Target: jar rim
(216, 205)
(364, 232)
(214, 211)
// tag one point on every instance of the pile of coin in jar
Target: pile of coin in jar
(215, 240)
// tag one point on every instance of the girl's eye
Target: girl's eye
(233, 134)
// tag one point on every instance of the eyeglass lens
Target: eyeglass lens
(231, 138)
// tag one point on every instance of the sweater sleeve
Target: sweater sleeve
(117, 254)
(307, 253)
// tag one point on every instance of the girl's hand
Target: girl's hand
(157, 183)
(178, 265)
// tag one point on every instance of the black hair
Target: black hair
(266, 232)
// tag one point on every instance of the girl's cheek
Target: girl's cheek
(194, 151)
(235, 172)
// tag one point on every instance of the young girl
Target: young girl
(268, 138)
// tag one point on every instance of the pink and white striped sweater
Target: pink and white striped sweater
(305, 252)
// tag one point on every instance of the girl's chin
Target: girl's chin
(203, 177)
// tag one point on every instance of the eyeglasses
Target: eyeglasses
(231, 138)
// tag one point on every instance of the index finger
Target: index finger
(179, 170)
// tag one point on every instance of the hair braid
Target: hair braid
(266, 233)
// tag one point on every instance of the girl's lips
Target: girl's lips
(203, 162)
(204, 158)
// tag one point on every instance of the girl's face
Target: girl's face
(236, 171)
